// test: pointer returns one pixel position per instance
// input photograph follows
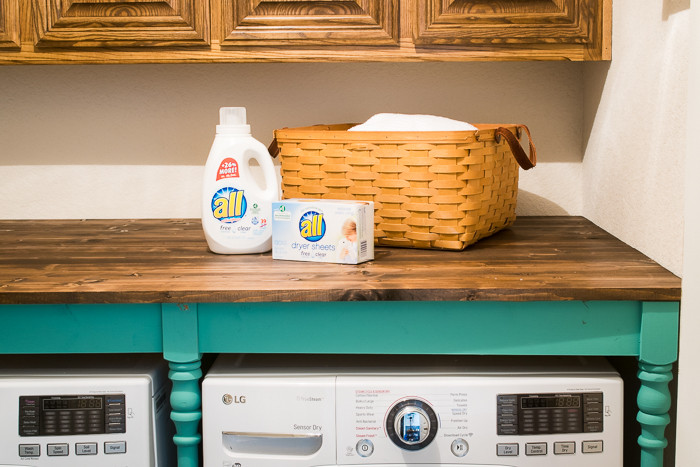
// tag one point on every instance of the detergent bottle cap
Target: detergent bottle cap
(232, 120)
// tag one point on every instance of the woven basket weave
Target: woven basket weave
(442, 190)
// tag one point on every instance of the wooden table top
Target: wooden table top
(153, 261)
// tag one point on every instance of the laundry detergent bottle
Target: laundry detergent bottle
(236, 207)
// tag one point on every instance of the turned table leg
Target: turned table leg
(181, 350)
(658, 350)
(186, 404)
(654, 402)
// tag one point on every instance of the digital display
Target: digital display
(73, 403)
(550, 402)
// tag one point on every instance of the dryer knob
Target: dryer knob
(411, 424)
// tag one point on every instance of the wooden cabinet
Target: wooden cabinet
(172, 31)
(310, 22)
(9, 24)
(109, 23)
(524, 24)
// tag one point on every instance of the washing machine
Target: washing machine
(418, 411)
(85, 411)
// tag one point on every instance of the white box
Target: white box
(329, 231)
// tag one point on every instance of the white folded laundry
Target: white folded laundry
(408, 122)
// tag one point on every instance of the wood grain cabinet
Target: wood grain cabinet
(109, 23)
(175, 31)
(310, 22)
(575, 27)
(9, 24)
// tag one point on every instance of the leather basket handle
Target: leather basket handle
(273, 148)
(525, 161)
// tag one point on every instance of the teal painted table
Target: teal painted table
(546, 286)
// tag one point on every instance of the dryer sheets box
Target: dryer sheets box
(329, 231)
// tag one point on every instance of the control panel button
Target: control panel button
(566, 447)
(594, 406)
(507, 399)
(364, 448)
(29, 450)
(593, 427)
(459, 447)
(507, 449)
(115, 447)
(592, 446)
(57, 449)
(507, 430)
(535, 449)
(594, 397)
(85, 449)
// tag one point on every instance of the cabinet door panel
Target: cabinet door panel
(99, 23)
(9, 24)
(310, 22)
(507, 22)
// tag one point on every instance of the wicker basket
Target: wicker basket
(442, 190)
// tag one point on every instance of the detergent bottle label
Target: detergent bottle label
(227, 169)
(229, 204)
(237, 215)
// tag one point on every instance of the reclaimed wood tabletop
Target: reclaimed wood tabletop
(167, 261)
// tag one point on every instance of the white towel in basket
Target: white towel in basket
(408, 122)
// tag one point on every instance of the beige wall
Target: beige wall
(98, 141)
(689, 363)
(635, 120)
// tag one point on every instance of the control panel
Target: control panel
(111, 414)
(61, 415)
(529, 414)
(503, 416)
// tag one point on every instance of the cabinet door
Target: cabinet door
(9, 24)
(310, 22)
(518, 24)
(127, 23)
